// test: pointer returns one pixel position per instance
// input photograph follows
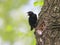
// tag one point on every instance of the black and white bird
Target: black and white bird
(32, 19)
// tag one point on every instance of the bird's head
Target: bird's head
(30, 13)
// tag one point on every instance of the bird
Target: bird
(32, 19)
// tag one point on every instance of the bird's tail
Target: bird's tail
(31, 28)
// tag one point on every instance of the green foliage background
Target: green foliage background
(39, 3)
(8, 31)
(9, 27)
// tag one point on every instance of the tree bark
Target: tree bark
(47, 31)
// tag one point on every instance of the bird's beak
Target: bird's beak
(27, 14)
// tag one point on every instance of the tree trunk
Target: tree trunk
(47, 31)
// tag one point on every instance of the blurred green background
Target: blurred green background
(14, 27)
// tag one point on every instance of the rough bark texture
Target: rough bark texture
(48, 28)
